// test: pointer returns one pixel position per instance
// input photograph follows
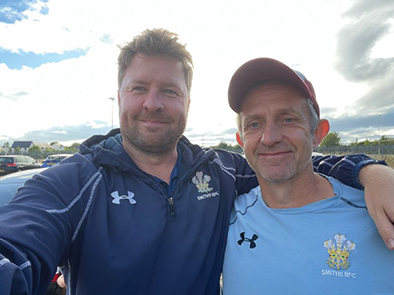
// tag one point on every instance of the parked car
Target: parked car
(54, 159)
(9, 185)
(14, 163)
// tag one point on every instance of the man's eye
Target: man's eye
(289, 120)
(254, 125)
(169, 91)
(139, 88)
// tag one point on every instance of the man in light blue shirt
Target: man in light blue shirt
(298, 232)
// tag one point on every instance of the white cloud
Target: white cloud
(221, 35)
(384, 49)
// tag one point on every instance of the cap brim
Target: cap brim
(260, 70)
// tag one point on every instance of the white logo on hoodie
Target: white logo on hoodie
(117, 198)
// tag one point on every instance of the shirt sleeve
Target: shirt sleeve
(16, 277)
(344, 168)
(42, 222)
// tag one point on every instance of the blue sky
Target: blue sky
(58, 61)
(13, 10)
(16, 60)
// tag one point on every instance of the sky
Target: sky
(58, 68)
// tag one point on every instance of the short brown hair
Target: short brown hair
(152, 43)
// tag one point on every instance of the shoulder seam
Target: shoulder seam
(78, 197)
(225, 169)
(87, 206)
(246, 209)
(352, 204)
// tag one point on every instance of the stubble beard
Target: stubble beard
(284, 174)
(158, 144)
(279, 173)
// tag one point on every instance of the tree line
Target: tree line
(334, 139)
(331, 144)
(38, 153)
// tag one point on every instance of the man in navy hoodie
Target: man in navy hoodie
(140, 210)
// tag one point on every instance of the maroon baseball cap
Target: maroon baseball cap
(266, 69)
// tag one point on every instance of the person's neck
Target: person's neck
(159, 165)
(297, 192)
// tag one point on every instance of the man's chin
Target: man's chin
(155, 148)
(275, 175)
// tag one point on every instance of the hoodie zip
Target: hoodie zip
(171, 206)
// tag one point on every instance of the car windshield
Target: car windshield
(5, 160)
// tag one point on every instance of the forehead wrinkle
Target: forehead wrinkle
(288, 110)
(256, 112)
(262, 101)
(250, 117)
(138, 81)
(130, 82)
(141, 81)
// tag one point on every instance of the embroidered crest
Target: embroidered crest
(117, 198)
(339, 250)
(202, 182)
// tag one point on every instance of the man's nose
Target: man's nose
(271, 134)
(153, 100)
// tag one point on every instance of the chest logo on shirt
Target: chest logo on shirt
(339, 250)
(117, 198)
(251, 241)
(202, 182)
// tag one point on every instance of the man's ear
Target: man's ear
(239, 139)
(321, 131)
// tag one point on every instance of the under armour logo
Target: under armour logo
(117, 198)
(251, 241)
